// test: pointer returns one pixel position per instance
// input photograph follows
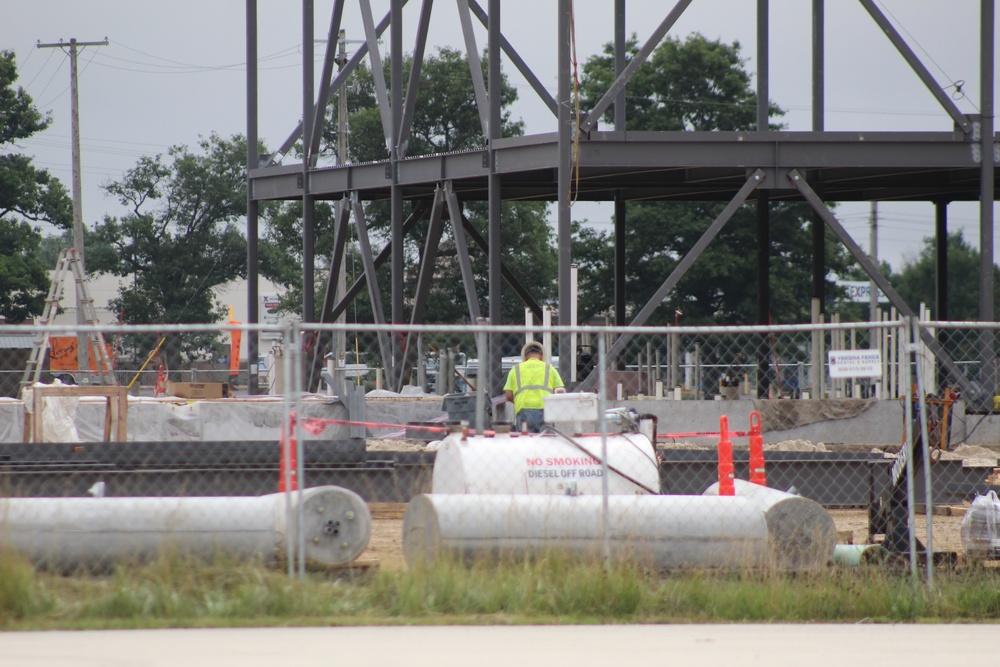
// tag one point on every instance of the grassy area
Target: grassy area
(177, 592)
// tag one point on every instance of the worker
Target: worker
(527, 385)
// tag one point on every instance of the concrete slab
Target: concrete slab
(776, 645)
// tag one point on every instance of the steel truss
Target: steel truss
(606, 164)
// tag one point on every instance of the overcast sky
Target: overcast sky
(174, 71)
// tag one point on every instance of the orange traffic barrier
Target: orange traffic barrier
(757, 475)
(288, 467)
(727, 472)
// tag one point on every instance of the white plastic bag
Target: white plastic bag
(58, 414)
(981, 527)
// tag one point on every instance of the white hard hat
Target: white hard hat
(532, 346)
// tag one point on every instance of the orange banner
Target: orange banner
(62, 354)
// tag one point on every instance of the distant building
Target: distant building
(103, 288)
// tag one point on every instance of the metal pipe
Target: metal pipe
(662, 531)
(69, 533)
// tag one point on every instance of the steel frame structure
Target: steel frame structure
(607, 164)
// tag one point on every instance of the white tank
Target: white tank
(801, 532)
(546, 464)
(67, 533)
(662, 531)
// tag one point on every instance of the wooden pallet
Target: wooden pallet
(383, 511)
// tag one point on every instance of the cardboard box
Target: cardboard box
(198, 390)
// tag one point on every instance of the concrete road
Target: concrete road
(459, 646)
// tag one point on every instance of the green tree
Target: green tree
(446, 119)
(27, 195)
(180, 239)
(696, 84)
(915, 281)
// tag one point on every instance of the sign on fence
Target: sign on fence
(859, 291)
(855, 363)
(269, 304)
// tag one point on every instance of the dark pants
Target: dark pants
(530, 420)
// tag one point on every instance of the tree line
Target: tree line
(181, 236)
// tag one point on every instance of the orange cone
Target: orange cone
(757, 475)
(726, 470)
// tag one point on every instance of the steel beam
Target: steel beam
(619, 83)
(871, 269)
(378, 74)
(895, 162)
(763, 67)
(424, 279)
(383, 256)
(990, 154)
(751, 184)
(308, 202)
(253, 207)
(917, 66)
(490, 378)
(342, 75)
(342, 216)
(941, 260)
(564, 195)
(462, 252)
(413, 86)
(543, 94)
(371, 276)
(329, 60)
(475, 66)
(507, 274)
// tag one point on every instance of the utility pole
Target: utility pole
(873, 254)
(82, 351)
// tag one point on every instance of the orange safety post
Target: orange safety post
(757, 475)
(288, 479)
(726, 470)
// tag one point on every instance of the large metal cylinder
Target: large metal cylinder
(663, 531)
(68, 533)
(544, 464)
(801, 533)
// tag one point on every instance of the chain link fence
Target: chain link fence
(854, 434)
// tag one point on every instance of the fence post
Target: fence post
(919, 347)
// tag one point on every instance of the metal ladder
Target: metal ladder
(69, 261)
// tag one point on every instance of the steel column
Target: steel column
(253, 208)
(621, 205)
(398, 268)
(763, 66)
(564, 233)
(941, 260)
(492, 381)
(308, 203)
(988, 153)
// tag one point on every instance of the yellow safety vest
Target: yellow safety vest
(530, 381)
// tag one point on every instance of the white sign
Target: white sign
(855, 363)
(859, 291)
(269, 314)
